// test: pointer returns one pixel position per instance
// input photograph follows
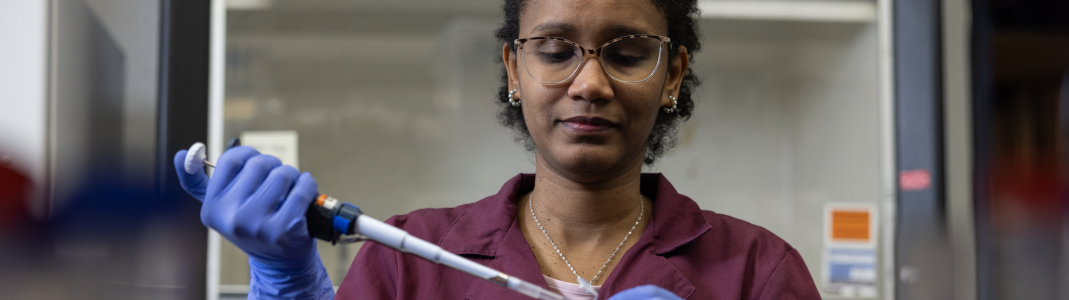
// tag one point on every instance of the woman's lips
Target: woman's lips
(588, 124)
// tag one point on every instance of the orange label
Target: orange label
(852, 225)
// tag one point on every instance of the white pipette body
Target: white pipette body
(396, 238)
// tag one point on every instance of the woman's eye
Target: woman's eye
(556, 57)
(625, 58)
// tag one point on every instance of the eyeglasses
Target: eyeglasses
(630, 59)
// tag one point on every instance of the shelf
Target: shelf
(848, 11)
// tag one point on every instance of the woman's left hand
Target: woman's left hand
(645, 292)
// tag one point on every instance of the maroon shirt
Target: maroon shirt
(694, 253)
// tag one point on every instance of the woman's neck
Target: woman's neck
(597, 210)
(587, 221)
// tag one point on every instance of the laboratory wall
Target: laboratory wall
(393, 107)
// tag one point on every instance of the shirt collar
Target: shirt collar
(481, 229)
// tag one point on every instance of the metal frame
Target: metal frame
(923, 266)
(183, 99)
(982, 118)
(216, 89)
(888, 190)
(583, 52)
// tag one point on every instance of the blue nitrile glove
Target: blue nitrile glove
(259, 204)
(645, 292)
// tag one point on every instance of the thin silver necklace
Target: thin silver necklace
(583, 283)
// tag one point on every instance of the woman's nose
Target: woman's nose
(592, 83)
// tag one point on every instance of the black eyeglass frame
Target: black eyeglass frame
(596, 52)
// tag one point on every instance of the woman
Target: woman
(595, 88)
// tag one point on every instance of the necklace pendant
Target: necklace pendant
(586, 286)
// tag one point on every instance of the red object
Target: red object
(696, 254)
(914, 180)
(1029, 193)
(13, 196)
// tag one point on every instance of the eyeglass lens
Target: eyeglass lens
(629, 60)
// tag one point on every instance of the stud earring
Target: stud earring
(514, 102)
(675, 106)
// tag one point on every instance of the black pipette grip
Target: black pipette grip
(329, 218)
(320, 221)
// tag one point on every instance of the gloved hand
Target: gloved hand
(259, 204)
(645, 292)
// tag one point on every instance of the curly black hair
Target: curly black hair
(682, 30)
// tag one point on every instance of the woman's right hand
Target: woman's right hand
(258, 204)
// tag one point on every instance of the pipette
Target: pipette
(335, 221)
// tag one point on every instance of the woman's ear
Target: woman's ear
(509, 58)
(677, 68)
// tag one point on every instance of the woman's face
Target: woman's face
(592, 126)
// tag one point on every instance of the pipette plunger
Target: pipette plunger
(195, 158)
